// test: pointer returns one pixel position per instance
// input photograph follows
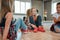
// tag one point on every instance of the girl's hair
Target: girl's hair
(36, 10)
(28, 12)
(5, 7)
(58, 3)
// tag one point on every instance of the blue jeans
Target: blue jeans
(38, 21)
(18, 35)
(19, 24)
(57, 27)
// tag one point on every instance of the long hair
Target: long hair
(36, 10)
(5, 7)
(28, 12)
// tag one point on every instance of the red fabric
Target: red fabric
(35, 29)
(41, 29)
(12, 33)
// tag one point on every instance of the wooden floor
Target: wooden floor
(48, 35)
(41, 36)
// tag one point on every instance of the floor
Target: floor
(41, 36)
(48, 35)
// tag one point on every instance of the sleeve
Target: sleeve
(54, 15)
(31, 20)
(39, 20)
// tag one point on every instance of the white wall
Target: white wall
(55, 1)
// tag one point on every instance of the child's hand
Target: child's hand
(34, 26)
(59, 18)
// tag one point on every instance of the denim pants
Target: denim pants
(57, 27)
(38, 21)
(19, 24)
(19, 34)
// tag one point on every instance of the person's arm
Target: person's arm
(39, 20)
(55, 20)
(31, 20)
(32, 23)
(54, 17)
(7, 25)
(59, 19)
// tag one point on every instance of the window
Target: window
(21, 7)
(53, 8)
(28, 5)
(17, 6)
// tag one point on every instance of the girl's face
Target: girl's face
(34, 12)
(58, 8)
